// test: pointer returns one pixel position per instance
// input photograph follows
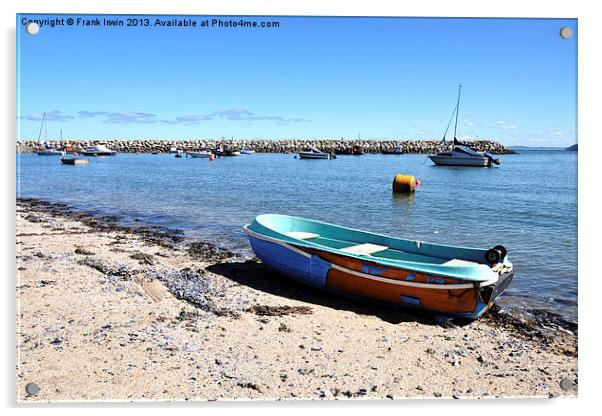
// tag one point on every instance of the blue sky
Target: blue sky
(309, 78)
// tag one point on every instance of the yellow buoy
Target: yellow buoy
(404, 183)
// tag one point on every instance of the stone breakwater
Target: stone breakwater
(268, 146)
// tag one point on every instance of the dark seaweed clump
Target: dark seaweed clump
(193, 287)
(151, 234)
(266, 310)
(204, 251)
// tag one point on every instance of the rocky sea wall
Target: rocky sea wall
(268, 146)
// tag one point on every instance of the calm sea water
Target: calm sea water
(528, 204)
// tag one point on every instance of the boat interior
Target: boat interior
(370, 249)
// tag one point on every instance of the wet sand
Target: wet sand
(107, 312)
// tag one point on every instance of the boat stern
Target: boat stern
(488, 294)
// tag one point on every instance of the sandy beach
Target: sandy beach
(107, 312)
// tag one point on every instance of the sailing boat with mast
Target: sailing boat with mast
(48, 150)
(461, 154)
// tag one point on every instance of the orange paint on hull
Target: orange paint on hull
(449, 301)
(374, 268)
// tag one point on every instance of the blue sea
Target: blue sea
(528, 204)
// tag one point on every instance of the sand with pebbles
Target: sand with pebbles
(109, 312)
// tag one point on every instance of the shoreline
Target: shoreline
(539, 319)
(108, 311)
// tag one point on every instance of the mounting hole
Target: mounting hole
(32, 28)
(566, 32)
(32, 389)
(566, 384)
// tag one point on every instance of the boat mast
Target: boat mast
(41, 126)
(457, 111)
(449, 123)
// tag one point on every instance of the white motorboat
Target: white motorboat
(200, 154)
(247, 151)
(461, 154)
(98, 150)
(313, 153)
(174, 150)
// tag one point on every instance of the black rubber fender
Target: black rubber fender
(502, 250)
(493, 256)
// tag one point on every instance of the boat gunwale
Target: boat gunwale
(400, 264)
(445, 286)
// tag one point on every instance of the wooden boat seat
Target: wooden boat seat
(458, 262)
(301, 235)
(364, 249)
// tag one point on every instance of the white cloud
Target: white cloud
(193, 119)
(53, 115)
(131, 117)
(127, 117)
(90, 114)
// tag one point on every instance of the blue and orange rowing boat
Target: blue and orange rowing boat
(451, 281)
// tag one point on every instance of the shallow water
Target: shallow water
(528, 204)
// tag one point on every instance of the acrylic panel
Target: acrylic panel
(278, 208)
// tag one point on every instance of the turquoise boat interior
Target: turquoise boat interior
(447, 261)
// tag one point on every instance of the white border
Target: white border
(590, 33)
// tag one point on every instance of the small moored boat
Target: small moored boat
(98, 150)
(357, 150)
(247, 151)
(73, 160)
(396, 150)
(199, 154)
(48, 150)
(451, 281)
(313, 153)
(461, 154)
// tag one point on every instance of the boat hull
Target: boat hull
(460, 161)
(49, 153)
(314, 156)
(369, 280)
(200, 155)
(88, 153)
(73, 161)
